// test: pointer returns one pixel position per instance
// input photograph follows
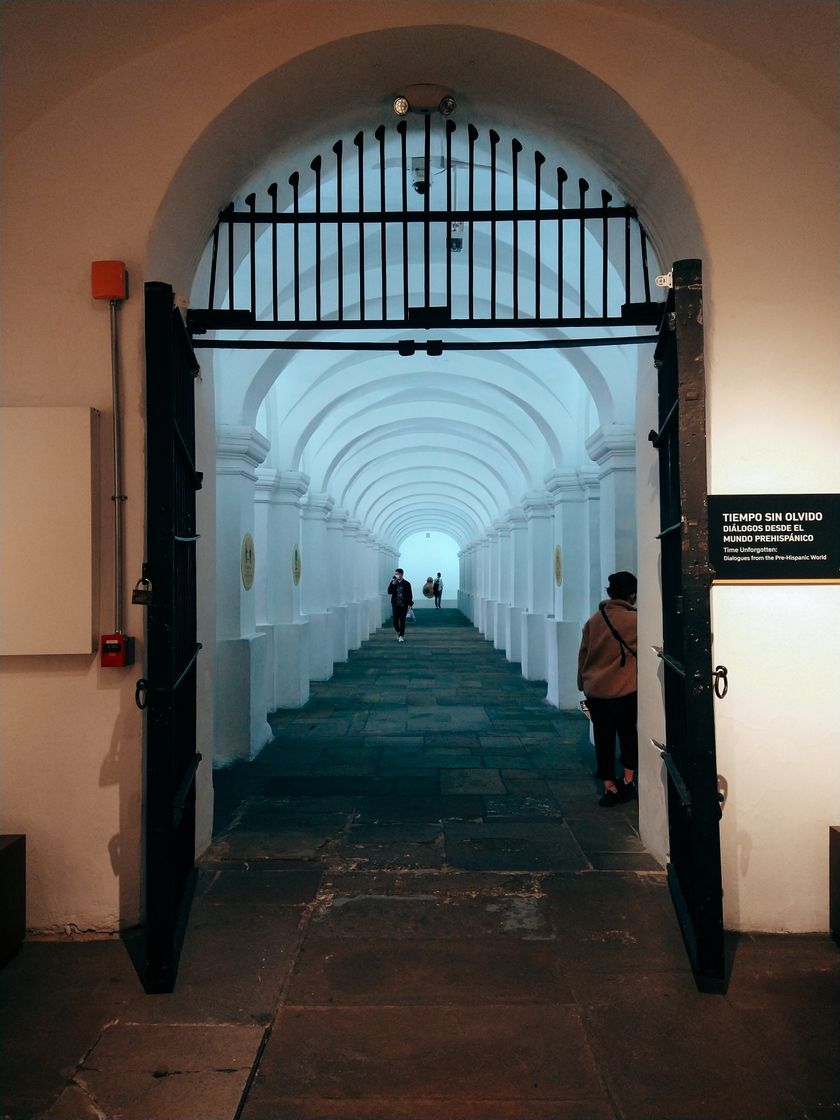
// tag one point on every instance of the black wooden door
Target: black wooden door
(172, 649)
(689, 751)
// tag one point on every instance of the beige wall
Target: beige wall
(127, 132)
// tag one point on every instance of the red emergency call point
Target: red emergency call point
(116, 651)
(108, 280)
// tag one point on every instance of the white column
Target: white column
(315, 510)
(572, 564)
(285, 625)
(366, 568)
(351, 567)
(383, 576)
(492, 600)
(483, 560)
(539, 513)
(242, 693)
(519, 582)
(614, 450)
(501, 583)
(335, 583)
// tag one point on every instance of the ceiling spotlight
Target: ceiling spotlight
(447, 106)
(401, 106)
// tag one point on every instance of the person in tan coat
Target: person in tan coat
(607, 677)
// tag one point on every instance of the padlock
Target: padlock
(141, 596)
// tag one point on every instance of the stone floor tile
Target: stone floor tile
(428, 916)
(139, 1071)
(524, 783)
(512, 845)
(687, 1059)
(305, 838)
(429, 972)
(403, 845)
(429, 809)
(602, 916)
(253, 889)
(443, 1053)
(471, 781)
(515, 807)
(608, 833)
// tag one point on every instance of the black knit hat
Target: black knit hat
(621, 585)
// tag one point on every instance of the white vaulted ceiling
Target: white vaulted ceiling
(448, 443)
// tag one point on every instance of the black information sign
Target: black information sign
(780, 537)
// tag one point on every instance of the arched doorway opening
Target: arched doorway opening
(605, 417)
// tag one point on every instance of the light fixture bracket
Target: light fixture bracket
(424, 97)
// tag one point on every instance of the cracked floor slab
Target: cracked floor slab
(145, 1071)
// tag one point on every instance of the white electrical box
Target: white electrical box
(47, 530)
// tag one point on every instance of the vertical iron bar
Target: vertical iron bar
(561, 179)
(316, 167)
(450, 128)
(213, 263)
(643, 236)
(427, 228)
(294, 182)
(606, 199)
(627, 281)
(516, 148)
(402, 128)
(380, 136)
(539, 160)
(584, 187)
(338, 148)
(275, 299)
(472, 133)
(230, 261)
(494, 140)
(359, 140)
(251, 203)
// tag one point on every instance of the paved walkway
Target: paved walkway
(414, 908)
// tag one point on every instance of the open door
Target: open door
(169, 691)
(694, 807)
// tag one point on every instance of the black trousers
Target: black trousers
(399, 614)
(611, 719)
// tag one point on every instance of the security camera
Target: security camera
(418, 174)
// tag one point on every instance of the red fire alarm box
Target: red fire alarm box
(116, 651)
(108, 280)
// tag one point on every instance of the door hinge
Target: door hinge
(666, 280)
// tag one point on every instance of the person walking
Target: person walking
(438, 590)
(401, 600)
(607, 677)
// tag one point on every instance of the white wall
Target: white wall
(126, 151)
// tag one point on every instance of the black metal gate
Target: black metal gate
(169, 692)
(694, 808)
(470, 231)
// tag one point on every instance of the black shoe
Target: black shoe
(610, 797)
(628, 791)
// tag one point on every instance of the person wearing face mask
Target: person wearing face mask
(607, 677)
(399, 590)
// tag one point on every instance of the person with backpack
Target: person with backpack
(437, 587)
(607, 677)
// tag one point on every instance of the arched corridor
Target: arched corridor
(343, 427)
(414, 907)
